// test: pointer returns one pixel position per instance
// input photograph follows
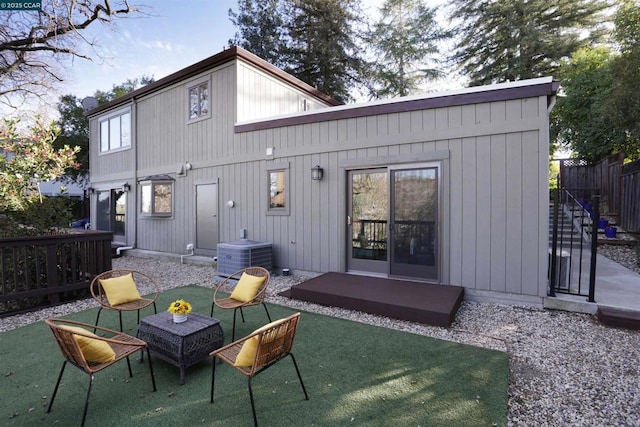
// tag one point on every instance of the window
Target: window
(115, 132)
(199, 100)
(278, 197)
(156, 196)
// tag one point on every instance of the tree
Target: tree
(74, 132)
(405, 43)
(622, 107)
(600, 114)
(507, 40)
(260, 29)
(34, 45)
(313, 40)
(122, 89)
(322, 49)
(577, 120)
(27, 161)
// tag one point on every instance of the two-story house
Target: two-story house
(447, 187)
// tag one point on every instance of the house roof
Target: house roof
(216, 60)
(543, 86)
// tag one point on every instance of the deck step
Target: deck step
(619, 318)
(426, 303)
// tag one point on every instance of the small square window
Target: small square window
(156, 198)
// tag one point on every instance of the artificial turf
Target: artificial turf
(355, 374)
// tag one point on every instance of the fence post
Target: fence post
(594, 246)
(52, 273)
(554, 245)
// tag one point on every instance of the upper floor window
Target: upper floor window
(115, 131)
(156, 196)
(199, 100)
(305, 105)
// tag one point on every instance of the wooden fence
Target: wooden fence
(619, 186)
(48, 270)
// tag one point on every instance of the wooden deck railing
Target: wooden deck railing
(42, 271)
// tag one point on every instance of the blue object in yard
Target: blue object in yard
(610, 232)
(603, 223)
(587, 207)
(81, 223)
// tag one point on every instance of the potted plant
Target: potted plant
(180, 309)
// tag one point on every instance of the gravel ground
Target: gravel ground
(565, 368)
(628, 256)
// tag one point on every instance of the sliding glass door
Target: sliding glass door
(368, 221)
(414, 223)
(393, 222)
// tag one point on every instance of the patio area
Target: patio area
(533, 338)
(354, 373)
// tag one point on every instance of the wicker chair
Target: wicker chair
(145, 284)
(122, 344)
(274, 342)
(227, 302)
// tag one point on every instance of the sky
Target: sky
(169, 36)
(165, 37)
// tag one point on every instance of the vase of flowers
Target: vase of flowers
(180, 309)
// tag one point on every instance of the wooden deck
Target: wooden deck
(619, 318)
(430, 304)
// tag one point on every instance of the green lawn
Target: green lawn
(355, 374)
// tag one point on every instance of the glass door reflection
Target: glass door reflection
(414, 219)
(368, 221)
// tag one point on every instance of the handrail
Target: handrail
(588, 230)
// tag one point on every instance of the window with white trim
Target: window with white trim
(156, 197)
(198, 95)
(115, 131)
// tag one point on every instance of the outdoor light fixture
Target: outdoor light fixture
(91, 190)
(316, 173)
(231, 203)
(126, 187)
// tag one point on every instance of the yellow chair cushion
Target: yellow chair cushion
(120, 289)
(94, 350)
(248, 351)
(247, 287)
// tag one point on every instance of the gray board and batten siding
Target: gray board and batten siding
(163, 139)
(491, 145)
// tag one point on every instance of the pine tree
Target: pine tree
(260, 29)
(322, 49)
(405, 43)
(507, 40)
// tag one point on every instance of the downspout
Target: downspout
(122, 248)
(134, 121)
(190, 253)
